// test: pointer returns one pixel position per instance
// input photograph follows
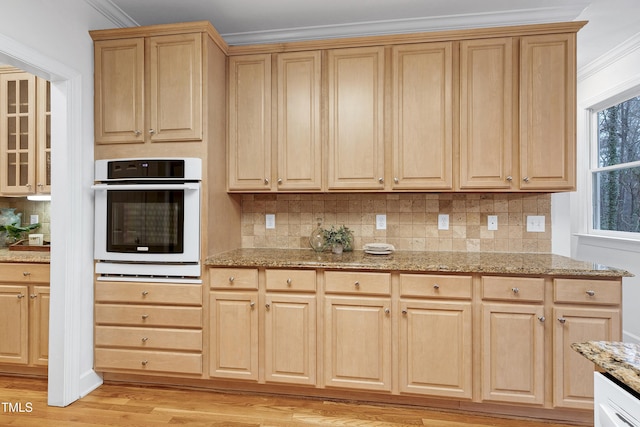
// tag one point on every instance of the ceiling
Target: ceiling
(269, 21)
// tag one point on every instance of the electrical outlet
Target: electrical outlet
(443, 222)
(34, 219)
(535, 223)
(492, 222)
(381, 222)
(270, 221)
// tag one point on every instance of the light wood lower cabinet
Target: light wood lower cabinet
(151, 328)
(24, 314)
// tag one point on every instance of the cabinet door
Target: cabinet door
(175, 87)
(435, 348)
(290, 339)
(513, 353)
(119, 91)
(358, 343)
(43, 135)
(422, 116)
(486, 114)
(356, 119)
(234, 335)
(573, 374)
(299, 144)
(39, 327)
(14, 324)
(17, 133)
(548, 112)
(249, 128)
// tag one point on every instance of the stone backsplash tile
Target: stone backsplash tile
(412, 220)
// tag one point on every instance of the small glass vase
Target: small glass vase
(316, 239)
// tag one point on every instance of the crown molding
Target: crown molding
(623, 49)
(411, 25)
(113, 13)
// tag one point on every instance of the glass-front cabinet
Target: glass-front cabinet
(25, 133)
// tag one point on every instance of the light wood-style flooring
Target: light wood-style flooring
(125, 405)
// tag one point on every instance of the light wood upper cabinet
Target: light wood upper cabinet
(299, 154)
(422, 116)
(249, 128)
(356, 119)
(548, 112)
(487, 111)
(148, 89)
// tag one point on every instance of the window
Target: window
(615, 170)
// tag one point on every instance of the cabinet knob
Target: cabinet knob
(515, 290)
(356, 284)
(279, 180)
(289, 281)
(137, 132)
(26, 273)
(405, 312)
(152, 131)
(231, 279)
(33, 296)
(40, 185)
(591, 293)
(541, 319)
(387, 311)
(145, 293)
(381, 180)
(144, 316)
(525, 179)
(28, 185)
(252, 304)
(20, 296)
(562, 320)
(396, 180)
(436, 286)
(509, 178)
(267, 306)
(145, 339)
(144, 362)
(266, 181)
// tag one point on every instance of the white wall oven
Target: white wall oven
(147, 218)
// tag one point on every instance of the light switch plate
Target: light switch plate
(443, 222)
(492, 222)
(381, 222)
(535, 223)
(270, 221)
(34, 219)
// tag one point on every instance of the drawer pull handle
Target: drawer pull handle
(541, 318)
(509, 178)
(436, 286)
(145, 293)
(33, 296)
(231, 279)
(591, 293)
(252, 304)
(357, 284)
(562, 320)
(20, 296)
(515, 290)
(144, 316)
(405, 312)
(26, 273)
(387, 311)
(267, 306)
(145, 339)
(289, 281)
(144, 362)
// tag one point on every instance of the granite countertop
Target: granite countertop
(620, 359)
(450, 262)
(42, 257)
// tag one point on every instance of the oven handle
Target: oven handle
(185, 186)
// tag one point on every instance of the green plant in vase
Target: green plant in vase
(338, 239)
(17, 232)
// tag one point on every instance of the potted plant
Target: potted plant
(17, 232)
(338, 238)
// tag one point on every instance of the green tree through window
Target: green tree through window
(616, 178)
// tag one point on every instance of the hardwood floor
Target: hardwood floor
(124, 405)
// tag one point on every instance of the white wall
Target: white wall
(615, 73)
(50, 39)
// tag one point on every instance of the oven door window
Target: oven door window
(145, 221)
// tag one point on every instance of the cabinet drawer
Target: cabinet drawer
(513, 288)
(24, 273)
(291, 280)
(148, 293)
(140, 315)
(583, 291)
(233, 278)
(149, 338)
(344, 282)
(435, 286)
(148, 361)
